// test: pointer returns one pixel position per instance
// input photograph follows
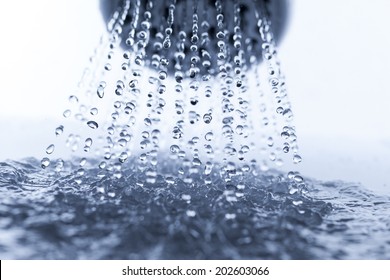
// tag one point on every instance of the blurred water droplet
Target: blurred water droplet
(100, 91)
(66, 113)
(73, 99)
(191, 213)
(45, 162)
(147, 121)
(50, 149)
(92, 124)
(59, 130)
(297, 158)
(94, 111)
(207, 118)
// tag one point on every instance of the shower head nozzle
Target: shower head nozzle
(187, 31)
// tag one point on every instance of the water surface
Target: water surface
(91, 214)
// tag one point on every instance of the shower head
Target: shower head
(195, 35)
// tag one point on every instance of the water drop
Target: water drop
(170, 180)
(66, 113)
(196, 162)
(161, 89)
(177, 133)
(162, 75)
(298, 178)
(133, 83)
(123, 157)
(220, 35)
(297, 158)
(103, 84)
(174, 149)
(94, 111)
(207, 118)
(191, 213)
(147, 121)
(229, 216)
(102, 165)
(50, 149)
(88, 142)
(209, 136)
(208, 168)
(73, 99)
(108, 67)
(144, 144)
(100, 91)
(92, 124)
(45, 162)
(83, 161)
(59, 130)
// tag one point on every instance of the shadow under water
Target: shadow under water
(86, 214)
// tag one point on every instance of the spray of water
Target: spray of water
(176, 132)
(192, 93)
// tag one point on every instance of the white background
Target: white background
(335, 54)
(278, 270)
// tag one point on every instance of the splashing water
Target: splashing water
(81, 213)
(179, 137)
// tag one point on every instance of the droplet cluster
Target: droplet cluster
(190, 92)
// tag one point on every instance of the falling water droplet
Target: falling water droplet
(162, 75)
(147, 121)
(123, 157)
(66, 113)
(73, 99)
(100, 91)
(207, 118)
(92, 124)
(209, 136)
(59, 130)
(297, 158)
(94, 111)
(45, 162)
(50, 149)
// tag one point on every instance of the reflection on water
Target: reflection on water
(91, 215)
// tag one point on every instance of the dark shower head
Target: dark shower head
(194, 30)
